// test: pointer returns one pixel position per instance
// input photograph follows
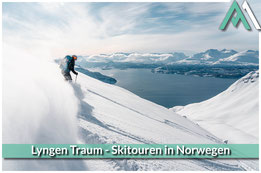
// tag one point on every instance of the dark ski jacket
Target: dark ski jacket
(67, 65)
(71, 66)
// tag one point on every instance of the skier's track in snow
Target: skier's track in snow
(124, 106)
(85, 113)
(170, 123)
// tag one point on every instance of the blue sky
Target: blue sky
(88, 28)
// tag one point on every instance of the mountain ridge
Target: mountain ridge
(235, 111)
(208, 57)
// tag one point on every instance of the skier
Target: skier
(67, 65)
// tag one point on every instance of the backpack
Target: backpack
(64, 65)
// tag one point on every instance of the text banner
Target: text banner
(130, 151)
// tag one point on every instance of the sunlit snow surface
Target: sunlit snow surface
(110, 114)
(231, 115)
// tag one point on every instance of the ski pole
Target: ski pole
(75, 78)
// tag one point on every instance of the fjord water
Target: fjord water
(168, 90)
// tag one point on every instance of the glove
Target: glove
(76, 73)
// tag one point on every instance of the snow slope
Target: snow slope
(110, 114)
(233, 114)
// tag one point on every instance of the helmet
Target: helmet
(74, 57)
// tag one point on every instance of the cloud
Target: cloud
(89, 28)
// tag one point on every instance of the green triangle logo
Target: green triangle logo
(235, 20)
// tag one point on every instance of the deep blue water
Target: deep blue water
(168, 90)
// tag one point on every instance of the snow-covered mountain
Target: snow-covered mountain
(231, 115)
(43, 108)
(249, 57)
(209, 57)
